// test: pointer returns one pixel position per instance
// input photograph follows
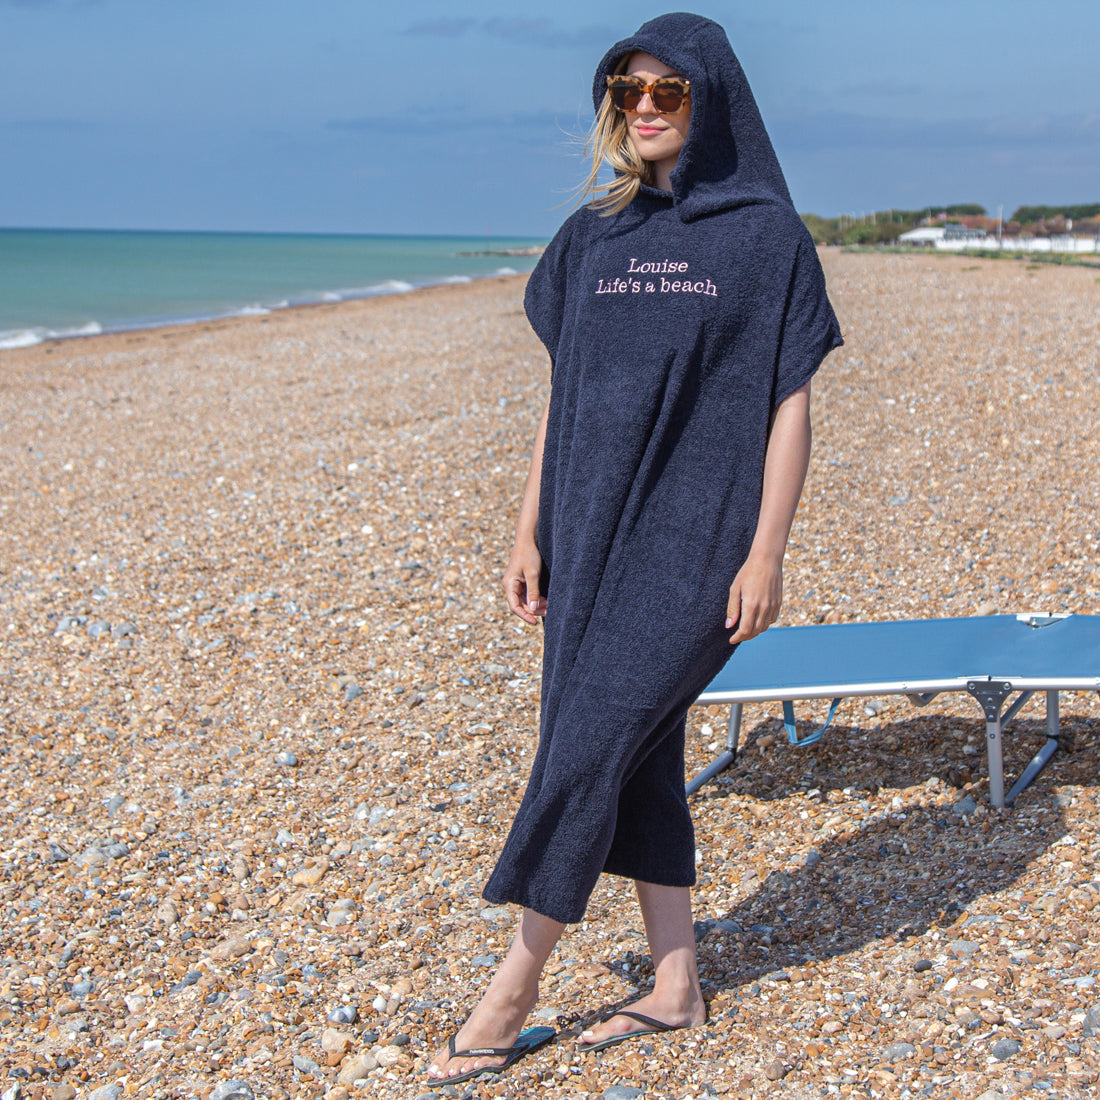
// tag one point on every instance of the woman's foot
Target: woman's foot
(687, 1009)
(495, 1022)
(512, 994)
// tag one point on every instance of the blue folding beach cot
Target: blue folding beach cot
(990, 658)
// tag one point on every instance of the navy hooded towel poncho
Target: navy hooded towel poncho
(675, 328)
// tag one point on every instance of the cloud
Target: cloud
(882, 86)
(543, 32)
(517, 127)
(441, 28)
(525, 32)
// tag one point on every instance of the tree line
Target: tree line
(883, 226)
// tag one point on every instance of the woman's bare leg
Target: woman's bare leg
(512, 994)
(677, 997)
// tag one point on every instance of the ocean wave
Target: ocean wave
(506, 271)
(251, 311)
(28, 337)
(92, 328)
(330, 296)
(21, 337)
(391, 286)
(457, 279)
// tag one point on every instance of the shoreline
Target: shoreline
(19, 339)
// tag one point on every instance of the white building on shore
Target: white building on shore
(957, 237)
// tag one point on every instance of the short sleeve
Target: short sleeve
(544, 299)
(810, 328)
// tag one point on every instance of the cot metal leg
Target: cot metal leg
(721, 763)
(1040, 760)
(991, 695)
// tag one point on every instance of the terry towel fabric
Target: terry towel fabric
(675, 328)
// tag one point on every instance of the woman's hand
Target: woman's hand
(755, 597)
(521, 583)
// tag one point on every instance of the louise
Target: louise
(663, 268)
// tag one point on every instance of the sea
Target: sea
(57, 283)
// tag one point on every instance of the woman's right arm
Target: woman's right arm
(521, 577)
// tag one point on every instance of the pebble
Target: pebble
(356, 1068)
(231, 948)
(167, 912)
(388, 1055)
(343, 1014)
(898, 1052)
(233, 1090)
(341, 912)
(776, 1070)
(311, 874)
(963, 947)
(335, 1042)
(622, 1092)
(64, 1091)
(1005, 1048)
(965, 805)
(1091, 1025)
(287, 759)
(306, 1065)
(106, 1092)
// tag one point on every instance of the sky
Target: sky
(425, 116)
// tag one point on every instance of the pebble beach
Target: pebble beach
(265, 718)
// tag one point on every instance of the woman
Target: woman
(685, 312)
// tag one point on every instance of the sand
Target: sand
(265, 717)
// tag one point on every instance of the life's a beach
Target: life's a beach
(265, 716)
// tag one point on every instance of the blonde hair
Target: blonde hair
(608, 142)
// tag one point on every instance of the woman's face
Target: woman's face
(656, 138)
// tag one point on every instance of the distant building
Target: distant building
(925, 237)
(962, 233)
(939, 236)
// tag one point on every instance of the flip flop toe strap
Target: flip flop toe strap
(657, 1025)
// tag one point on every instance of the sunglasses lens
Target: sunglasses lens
(668, 96)
(625, 94)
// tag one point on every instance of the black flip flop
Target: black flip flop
(653, 1027)
(526, 1043)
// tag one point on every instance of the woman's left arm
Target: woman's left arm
(757, 591)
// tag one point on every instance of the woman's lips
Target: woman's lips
(646, 131)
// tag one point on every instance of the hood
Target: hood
(728, 159)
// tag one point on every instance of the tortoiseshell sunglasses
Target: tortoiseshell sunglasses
(667, 94)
